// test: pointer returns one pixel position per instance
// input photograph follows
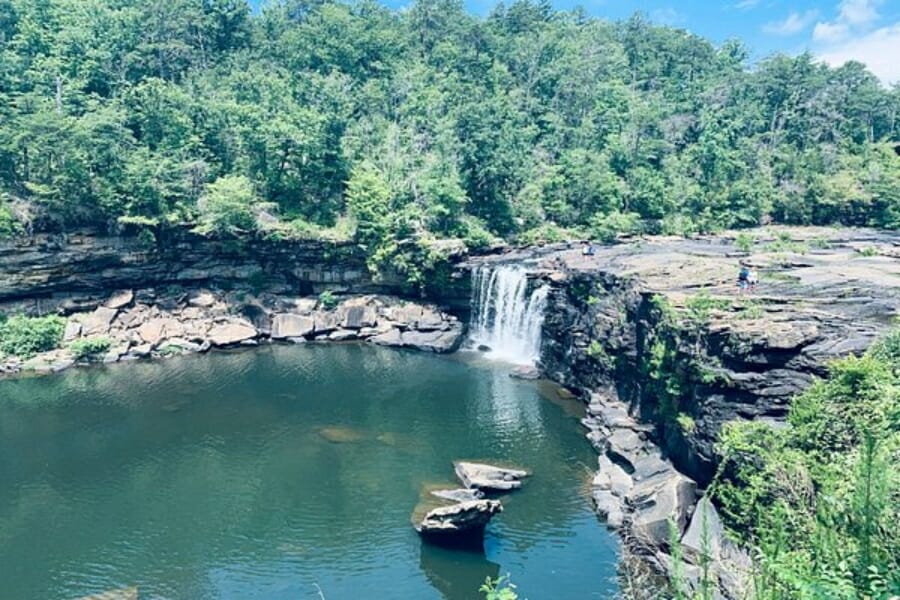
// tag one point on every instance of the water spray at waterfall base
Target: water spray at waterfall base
(507, 313)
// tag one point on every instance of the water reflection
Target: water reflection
(456, 572)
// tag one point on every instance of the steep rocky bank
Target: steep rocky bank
(655, 336)
(187, 293)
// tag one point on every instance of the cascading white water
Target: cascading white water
(506, 315)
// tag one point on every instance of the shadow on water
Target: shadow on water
(456, 569)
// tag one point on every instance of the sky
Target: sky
(833, 30)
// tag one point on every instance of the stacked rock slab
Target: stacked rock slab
(148, 323)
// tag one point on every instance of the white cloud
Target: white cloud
(830, 32)
(858, 12)
(877, 49)
(745, 4)
(792, 25)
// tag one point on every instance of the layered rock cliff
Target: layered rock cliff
(664, 348)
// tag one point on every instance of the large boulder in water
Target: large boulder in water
(464, 518)
(483, 476)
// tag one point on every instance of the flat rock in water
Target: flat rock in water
(458, 495)
(488, 477)
(459, 519)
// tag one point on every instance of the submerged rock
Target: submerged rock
(342, 435)
(489, 477)
(464, 518)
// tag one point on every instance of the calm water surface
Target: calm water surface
(267, 473)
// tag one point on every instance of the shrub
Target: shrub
(90, 348)
(229, 206)
(26, 336)
(328, 300)
(744, 242)
(607, 228)
(9, 225)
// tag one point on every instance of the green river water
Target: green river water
(284, 470)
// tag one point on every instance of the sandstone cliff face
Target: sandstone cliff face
(53, 272)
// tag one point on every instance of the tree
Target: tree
(229, 207)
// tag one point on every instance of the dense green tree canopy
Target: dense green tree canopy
(429, 121)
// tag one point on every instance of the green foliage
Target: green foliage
(228, 207)
(328, 300)
(404, 127)
(820, 499)
(498, 589)
(26, 336)
(744, 242)
(9, 225)
(686, 423)
(701, 305)
(607, 227)
(90, 348)
(598, 353)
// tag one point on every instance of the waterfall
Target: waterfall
(506, 315)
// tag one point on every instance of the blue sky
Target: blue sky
(833, 30)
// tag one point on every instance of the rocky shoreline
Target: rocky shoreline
(623, 323)
(140, 324)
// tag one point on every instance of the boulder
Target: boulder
(609, 507)
(705, 523)
(433, 341)
(72, 331)
(290, 325)
(358, 317)
(625, 447)
(327, 321)
(656, 501)
(202, 300)
(120, 299)
(231, 332)
(391, 337)
(98, 321)
(468, 517)
(342, 335)
(483, 476)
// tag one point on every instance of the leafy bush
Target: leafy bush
(90, 348)
(701, 305)
(744, 242)
(820, 499)
(26, 336)
(607, 227)
(229, 206)
(328, 300)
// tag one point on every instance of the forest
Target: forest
(350, 121)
